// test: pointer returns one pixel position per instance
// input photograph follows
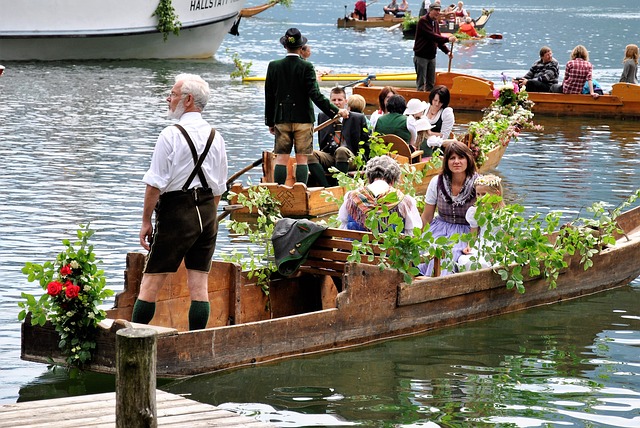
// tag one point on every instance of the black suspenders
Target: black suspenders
(197, 161)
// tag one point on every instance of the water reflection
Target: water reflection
(553, 365)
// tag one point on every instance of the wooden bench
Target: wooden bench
(328, 254)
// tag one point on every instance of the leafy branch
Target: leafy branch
(259, 264)
(167, 19)
(243, 69)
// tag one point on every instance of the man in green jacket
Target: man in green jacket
(290, 89)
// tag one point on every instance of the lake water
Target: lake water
(76, 138)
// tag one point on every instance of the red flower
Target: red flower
(66, 270)
(71, 290)
(54, 288)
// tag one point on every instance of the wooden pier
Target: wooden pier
(99, 410)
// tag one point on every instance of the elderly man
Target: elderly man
(543, 73)
(428, 41)
(187, 175)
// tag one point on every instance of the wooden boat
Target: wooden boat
(111, 29)
(450, 26)
(407, 79)
(253, 11)
(470, 93)
(377, 21)
(298, 200)
(306, 314)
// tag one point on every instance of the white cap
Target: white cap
(415, 106)
(423, 124)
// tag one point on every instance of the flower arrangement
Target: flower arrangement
(74, 289)
(503, 120)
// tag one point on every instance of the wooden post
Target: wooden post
(136, 354)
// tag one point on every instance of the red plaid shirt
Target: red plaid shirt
(576, 73)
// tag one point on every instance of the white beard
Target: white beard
(178, 112)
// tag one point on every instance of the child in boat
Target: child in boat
(471, 257)
(630, 65)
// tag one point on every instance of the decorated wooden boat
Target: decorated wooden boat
(449, 26)
(306, 314)
(470, 93)
(111, 29)
(298, 200)
(400, 79)
(253, 11)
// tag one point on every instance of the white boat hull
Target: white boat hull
(111, 29)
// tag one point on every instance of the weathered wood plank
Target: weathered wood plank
(98, 410)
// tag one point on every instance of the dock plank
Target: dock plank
(99, 411)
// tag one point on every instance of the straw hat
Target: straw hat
(415, 106)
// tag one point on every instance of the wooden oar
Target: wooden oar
(228, 209)
(327, 123)
(495, 36)
(450, 58)
(242, 171)
(394, 27)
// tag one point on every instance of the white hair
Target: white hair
(195, 86)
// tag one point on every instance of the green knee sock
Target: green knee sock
(143, 311)
(343, 166)
(198, 314)
(302, 173)
(280, 174)
(317, 172)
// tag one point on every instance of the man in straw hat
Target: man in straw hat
(290, 89)
(428, 41)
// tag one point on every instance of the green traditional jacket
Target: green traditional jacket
(290, 89)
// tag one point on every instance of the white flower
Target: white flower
(74, 264)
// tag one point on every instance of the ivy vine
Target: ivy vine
(167, 19)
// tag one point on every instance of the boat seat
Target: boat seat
(328, 254)
(400, 147)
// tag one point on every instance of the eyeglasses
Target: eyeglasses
(174, 95)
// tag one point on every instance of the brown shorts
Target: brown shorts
(289, 133)
(186, 228)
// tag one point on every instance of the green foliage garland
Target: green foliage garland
(167, 19)
(75, 288)
(260, 264)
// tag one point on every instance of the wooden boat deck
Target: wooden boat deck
(99, 410)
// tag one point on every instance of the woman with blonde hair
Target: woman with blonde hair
(578, 71)
(630, 65)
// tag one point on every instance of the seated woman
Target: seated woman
(395, 122)
(439, 114)
(630, 65)
(468, 28)
(577, 71)
(452, 192)
(384, 95)
(382, 173)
